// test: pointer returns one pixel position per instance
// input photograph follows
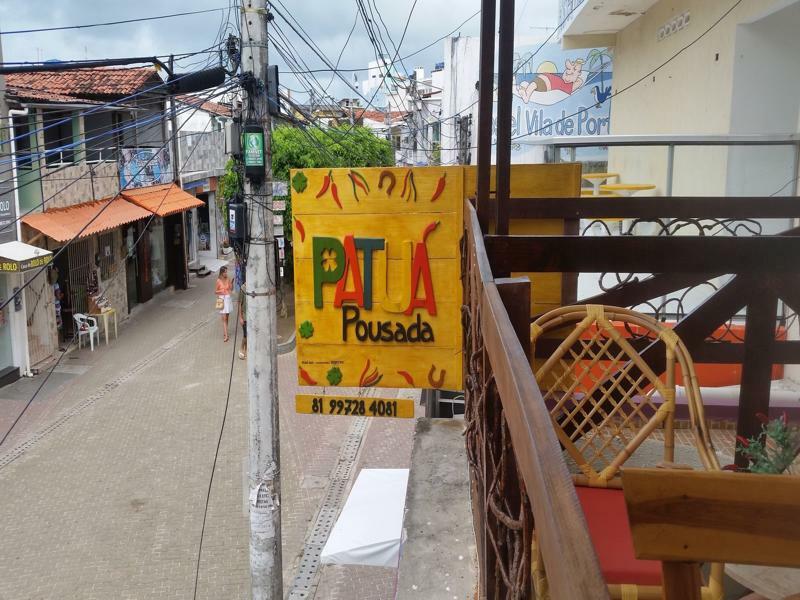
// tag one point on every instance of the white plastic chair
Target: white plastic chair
(87, 326)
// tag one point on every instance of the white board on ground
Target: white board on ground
(370, 526)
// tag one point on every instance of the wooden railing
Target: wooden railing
(728, 240)
(518, 474)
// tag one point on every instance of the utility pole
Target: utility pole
(176, 178)
(262, 358)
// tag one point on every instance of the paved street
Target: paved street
(105, 479)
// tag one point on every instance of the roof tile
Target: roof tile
(81, 84)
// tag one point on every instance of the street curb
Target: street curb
(288, 346)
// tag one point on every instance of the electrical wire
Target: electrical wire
(90, 172)
(627, 87)
(137, 20)
(88, 223)
(107, 285)
(406, 57)
(216, 456)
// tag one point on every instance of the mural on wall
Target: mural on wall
(561, 92)
(140, 167)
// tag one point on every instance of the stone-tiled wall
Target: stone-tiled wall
(203, 152)
(73, 184)
(114, 286)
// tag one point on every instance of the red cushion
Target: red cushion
(611, 535)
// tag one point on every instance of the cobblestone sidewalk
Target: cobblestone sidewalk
(108, 502)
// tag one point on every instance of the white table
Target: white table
(104, 315)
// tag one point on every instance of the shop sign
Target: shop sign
(253, 148)
(20, 266)
(378, 277)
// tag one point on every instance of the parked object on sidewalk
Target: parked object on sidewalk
(105, 314)
(86, 326)
(369, 528)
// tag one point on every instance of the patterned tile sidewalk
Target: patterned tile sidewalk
(109, 503)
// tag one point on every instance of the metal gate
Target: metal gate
(40, 316)
(78, 260)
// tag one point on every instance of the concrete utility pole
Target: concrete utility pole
(262, 358)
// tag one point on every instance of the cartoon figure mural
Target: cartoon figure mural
(548, 86)
(558, 92)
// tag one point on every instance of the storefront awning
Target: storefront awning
(63, 224)
(164, 200)
(16, 257)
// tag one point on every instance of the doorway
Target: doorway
(175, 249)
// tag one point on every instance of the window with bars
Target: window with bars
(106, 250)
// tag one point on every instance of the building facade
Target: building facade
(89, 145)
(202, 160)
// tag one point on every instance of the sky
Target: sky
(328, 27)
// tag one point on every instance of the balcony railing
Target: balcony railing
(518, 474)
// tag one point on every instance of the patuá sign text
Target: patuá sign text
(378, 276)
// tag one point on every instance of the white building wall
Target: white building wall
(459, 78)
(693, 94)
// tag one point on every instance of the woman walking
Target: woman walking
(223, 291)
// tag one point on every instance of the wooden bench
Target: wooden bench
(684, 518)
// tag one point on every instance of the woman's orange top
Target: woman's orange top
(224, 287)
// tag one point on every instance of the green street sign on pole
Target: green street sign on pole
(253, 146)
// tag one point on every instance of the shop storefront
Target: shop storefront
(167, 245)
(18, 262)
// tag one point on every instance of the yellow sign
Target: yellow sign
(401, 408)
(378, 276)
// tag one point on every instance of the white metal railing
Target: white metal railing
(553, 145)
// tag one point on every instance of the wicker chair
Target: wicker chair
(605, 402)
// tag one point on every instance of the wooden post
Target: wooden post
(516, 295)
(485, 106)
(505, 84)
(759, 339)
(681, 580)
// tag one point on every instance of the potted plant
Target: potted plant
(774, 450)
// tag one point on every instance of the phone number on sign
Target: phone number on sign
(402, 408)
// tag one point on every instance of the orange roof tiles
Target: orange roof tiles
(164, 200)
(63, 224)
(81, 84)
(216, 108)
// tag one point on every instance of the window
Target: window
(105, 248)
(22, 131)
(100, 142)
(58, 137)
(437, 133)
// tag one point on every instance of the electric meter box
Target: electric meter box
(237, 221)
(253, 151)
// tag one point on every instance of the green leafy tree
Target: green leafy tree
(230, 184)
(345, 146)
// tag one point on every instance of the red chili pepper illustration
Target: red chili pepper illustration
(335, 194)
(300, 229)
(360, 180)
(428, 230)
(436, 383)
(392, 181)
(405, 184)
(413, 187)
(374, 379)
(439, 188)
(407, 376)
(306, 377)
(364, 372)
(353, 182)
(326, 183)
